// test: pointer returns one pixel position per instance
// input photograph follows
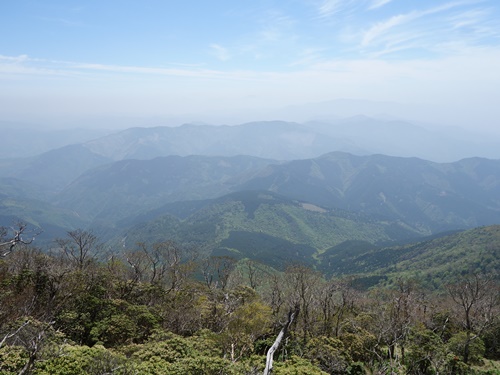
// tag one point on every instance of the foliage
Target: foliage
(427, 354)
(329, 353)
(476, 347)
(77, 360)
(160, 311)
(12, 359)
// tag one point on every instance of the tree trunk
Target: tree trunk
(270, 353)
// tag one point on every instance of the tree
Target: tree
(10, 237)
(245, 324)
(270, 353)
(303, 283)
(216, 271)
(336, 298)
(80, 247)
(476, 299)
(427, 352)
(31, 335)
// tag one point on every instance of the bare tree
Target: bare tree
(303, 285)
(163, 263)
(10, 335)
(216, 271)
(31, 335)
(477, 299)
(8, 243)
(336, 298)
(254, 273)
(270, 353)
(81, 248)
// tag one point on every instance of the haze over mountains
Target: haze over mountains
(357, 178)
(212, 187)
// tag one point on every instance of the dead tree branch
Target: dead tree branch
(8, 246)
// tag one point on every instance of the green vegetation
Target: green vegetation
(251, 222)
(163, 309)
(435, 262)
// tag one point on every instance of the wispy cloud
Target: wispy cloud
(18, 66)
(274, 37)
(378, 3)
(14, 59)
(308, 57)
(329, 7)
(468, 18)
(13, 67)
(220, 52)
(381, 28)
(384, 27)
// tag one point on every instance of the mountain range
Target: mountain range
(279, 140)
(301, 192)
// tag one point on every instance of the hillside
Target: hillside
(423, 196)
(53, 169)
(50, 221)
(434, 262)
(130, 187)
(429, 196)
(262, 226)
(279, 140)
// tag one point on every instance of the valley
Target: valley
(222, 231)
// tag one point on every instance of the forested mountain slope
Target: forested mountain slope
(262, 226)
(424, 196)
(53, 169)
(427, 195)
(434, 263)
(130, 187)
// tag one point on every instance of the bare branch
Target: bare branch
(17, 238)
(10, 335)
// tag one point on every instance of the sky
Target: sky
(70, 62)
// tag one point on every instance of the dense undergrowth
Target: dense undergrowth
(162, 310)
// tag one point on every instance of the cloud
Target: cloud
(378, 3)
(382, 28)
(13, 67)
(468, 18)
(273, 38)
(329, 7)
(220, 52)
(14, 59)
(144, 89)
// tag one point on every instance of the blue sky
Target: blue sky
(190, 59)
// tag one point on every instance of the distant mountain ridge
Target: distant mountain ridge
(116, 178)
(427, 195)
(278, 140)
(360, 135)
(128, 187)
(267, 139)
